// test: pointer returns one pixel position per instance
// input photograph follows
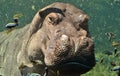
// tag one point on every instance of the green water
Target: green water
(104, 16)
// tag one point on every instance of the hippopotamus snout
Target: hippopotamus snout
(66, 48)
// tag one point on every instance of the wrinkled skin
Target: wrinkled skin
(58, 38)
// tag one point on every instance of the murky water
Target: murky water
(104, 17)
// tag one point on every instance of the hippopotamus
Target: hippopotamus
(58, 38)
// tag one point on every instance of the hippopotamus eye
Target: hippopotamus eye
(51, 20)
(54, 18)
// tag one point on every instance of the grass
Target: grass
(104, 68)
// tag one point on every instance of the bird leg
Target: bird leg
(46, 71)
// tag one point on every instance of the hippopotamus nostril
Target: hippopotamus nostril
(64, 38)
(57, 34)
(57, 31)
(84, 42)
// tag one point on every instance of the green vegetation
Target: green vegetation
(104, 18)
(104, 65)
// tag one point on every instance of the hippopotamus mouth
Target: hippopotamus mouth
(71, 67)
(73, 64)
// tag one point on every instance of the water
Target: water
(104, 16)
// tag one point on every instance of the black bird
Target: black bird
(115, 51)
(117, 68)
(107, 52)
(12, 25)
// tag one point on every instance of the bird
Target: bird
(107, 52)
(115, 51)
(116, 68)
(12, 25)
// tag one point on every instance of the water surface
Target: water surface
(104, 16)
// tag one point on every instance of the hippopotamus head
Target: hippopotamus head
(60, 39)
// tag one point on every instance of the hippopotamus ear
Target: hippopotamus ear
(40, 16)
(36, 22)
